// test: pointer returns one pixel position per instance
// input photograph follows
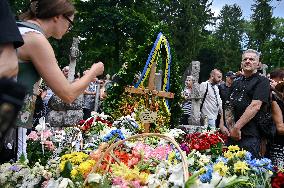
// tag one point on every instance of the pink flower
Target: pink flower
(49, 145)
(120, 182)
(133, 161)
(136, 184)
(46, 134)
(33, 136)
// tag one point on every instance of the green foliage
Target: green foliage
(66, 173)
(262, 22)
(35, 153)
(228, 38)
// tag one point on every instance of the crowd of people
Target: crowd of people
(247, 107)
(236, 106)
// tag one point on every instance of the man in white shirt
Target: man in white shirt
(211, 103)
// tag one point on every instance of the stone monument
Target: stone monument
(264, 67)
(63, 114)
(194, 120)
(195, 94)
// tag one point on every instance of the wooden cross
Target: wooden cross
(150, 91)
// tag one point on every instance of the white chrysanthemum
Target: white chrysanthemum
(94, 178)
(176, 176)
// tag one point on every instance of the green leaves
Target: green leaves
(66, 173)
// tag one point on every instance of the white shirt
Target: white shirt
(212, 104)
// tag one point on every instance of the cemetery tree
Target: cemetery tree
(229, 36)
(116, 31)
(276, 45)
(262, 22)
(187, 21)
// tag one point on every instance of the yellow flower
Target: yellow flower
(233, 148)
(241, 154)
(62, 165)
(241, 167)
(228, 155)
(171, 157)
(66, 157)
(221, 168)
(86, 166)
(121, 170)
(74, 173)
(143, 177)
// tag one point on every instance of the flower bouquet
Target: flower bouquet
(40, 146)
(139, 164)
(234, 169)
(210, 142)
(21, 175)
(94, 124)
(76, 166)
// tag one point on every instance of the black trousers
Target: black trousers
(87, 113)
(184, 119)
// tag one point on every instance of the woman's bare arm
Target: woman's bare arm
(277, 118)
(39, 51)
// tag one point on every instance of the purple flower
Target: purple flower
(14, 168)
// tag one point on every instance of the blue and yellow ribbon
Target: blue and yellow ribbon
(155, 52)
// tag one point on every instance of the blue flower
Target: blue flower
(206, 178)
(221, 159)
(113, 133)
(265, 161)
(248, 156)
(253, 163)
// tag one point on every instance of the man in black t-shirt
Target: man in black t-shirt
(249, 95)
(10, 38)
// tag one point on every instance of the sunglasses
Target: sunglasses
(71, 23)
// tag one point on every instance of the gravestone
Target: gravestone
(64, 114)
(97, 97)
(194, 120)
(264, 68)
(195, 94)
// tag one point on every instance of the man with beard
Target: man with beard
(211, 104)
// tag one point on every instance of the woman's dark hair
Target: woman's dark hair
(45, 9)
(278, 73)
